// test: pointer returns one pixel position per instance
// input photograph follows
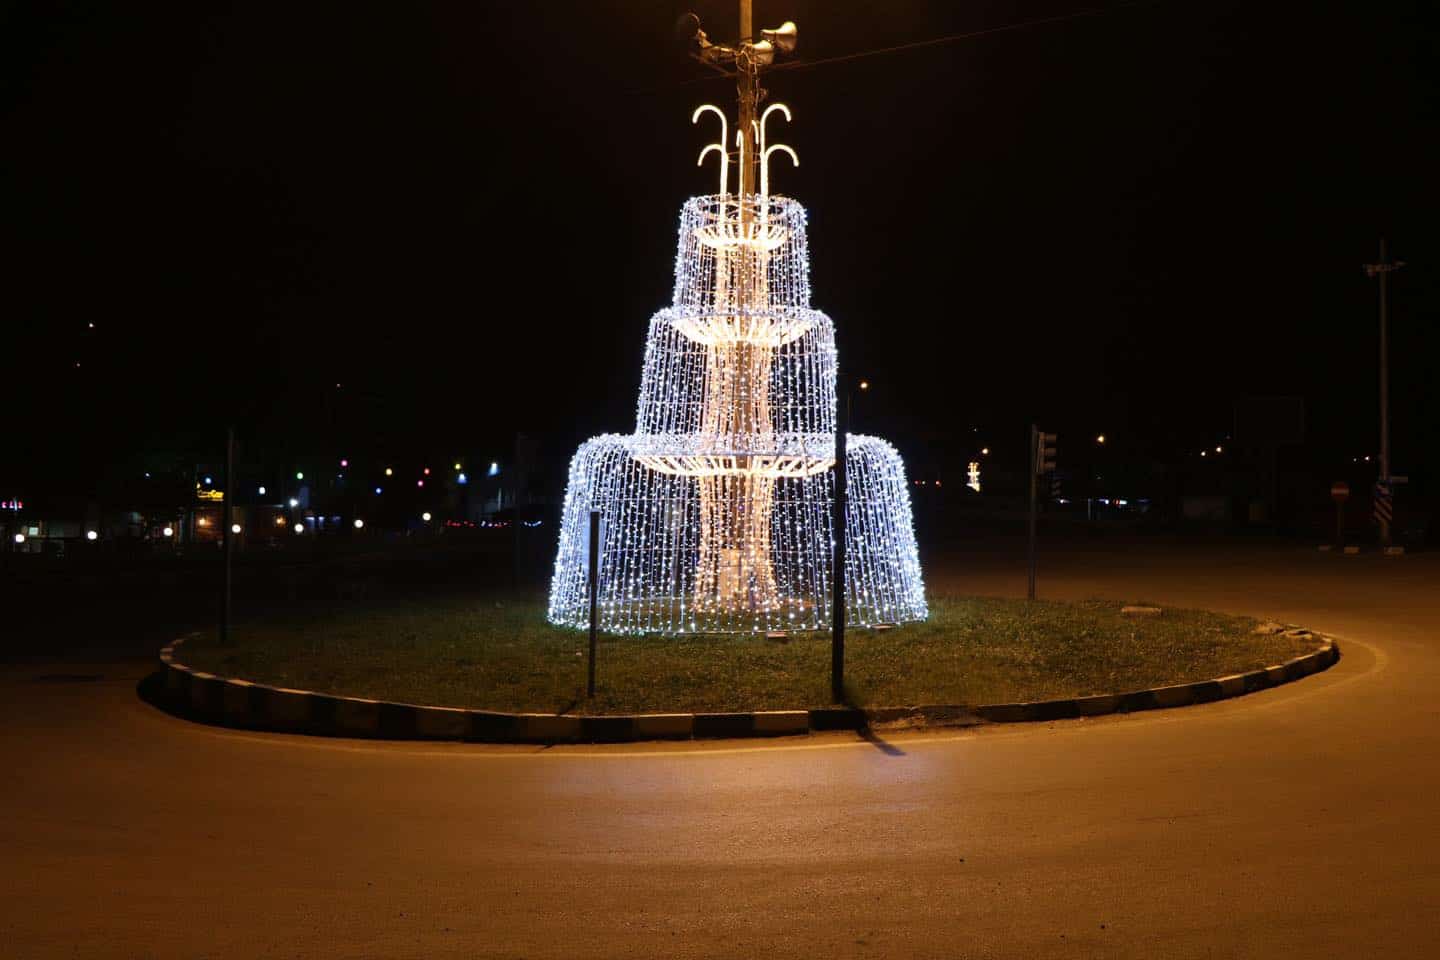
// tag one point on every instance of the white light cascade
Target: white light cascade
(716, 512)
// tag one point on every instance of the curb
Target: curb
(256, 706)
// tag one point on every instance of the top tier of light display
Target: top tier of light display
(742, 254)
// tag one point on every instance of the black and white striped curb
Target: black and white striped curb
(240, 703)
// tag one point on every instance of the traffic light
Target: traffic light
(1044, 452)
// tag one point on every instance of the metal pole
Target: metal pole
(227, 541)
(1384, 390)
(749, 83)
(594, 596)
(1034, 444)
(838, 509)
(1339, 523)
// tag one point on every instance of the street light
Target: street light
(91, 535)
(359, 524)
(234, 528)
(425, 516)
(1100, 439)
(19, 538)
(168, 531)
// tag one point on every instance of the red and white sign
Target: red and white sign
(1340, 490)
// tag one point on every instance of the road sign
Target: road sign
(1340, 490)
(1383, 509)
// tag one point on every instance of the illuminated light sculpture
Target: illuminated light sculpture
(717, 511)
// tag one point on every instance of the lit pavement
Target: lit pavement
(1298, 822)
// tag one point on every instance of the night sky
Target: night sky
(400, 229)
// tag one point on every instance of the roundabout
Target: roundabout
(977, 660)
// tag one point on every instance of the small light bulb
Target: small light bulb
(262, 491)
(169, 531)
(425, 516)
(294, 502)
(234, 528)
(91, 535)
(299, 475)
(359, 523)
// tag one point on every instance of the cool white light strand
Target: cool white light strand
(716, 512)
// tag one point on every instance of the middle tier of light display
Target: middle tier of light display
(717, 511)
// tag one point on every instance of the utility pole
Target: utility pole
(1383, 269)
(748, 82)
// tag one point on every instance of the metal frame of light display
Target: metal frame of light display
(717, 511)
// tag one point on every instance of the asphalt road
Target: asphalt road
(1299, 822)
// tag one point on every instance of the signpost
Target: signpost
(1042, 461)
(593, 552)
(1339, 492)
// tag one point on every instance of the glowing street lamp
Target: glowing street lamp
(425, 516)
(359, 524)
(19, 538)
(168, 531)
(234, 528)
(1100, 439)
(294, 503)
(91, 535)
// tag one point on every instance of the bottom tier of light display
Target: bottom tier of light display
(707, 554)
